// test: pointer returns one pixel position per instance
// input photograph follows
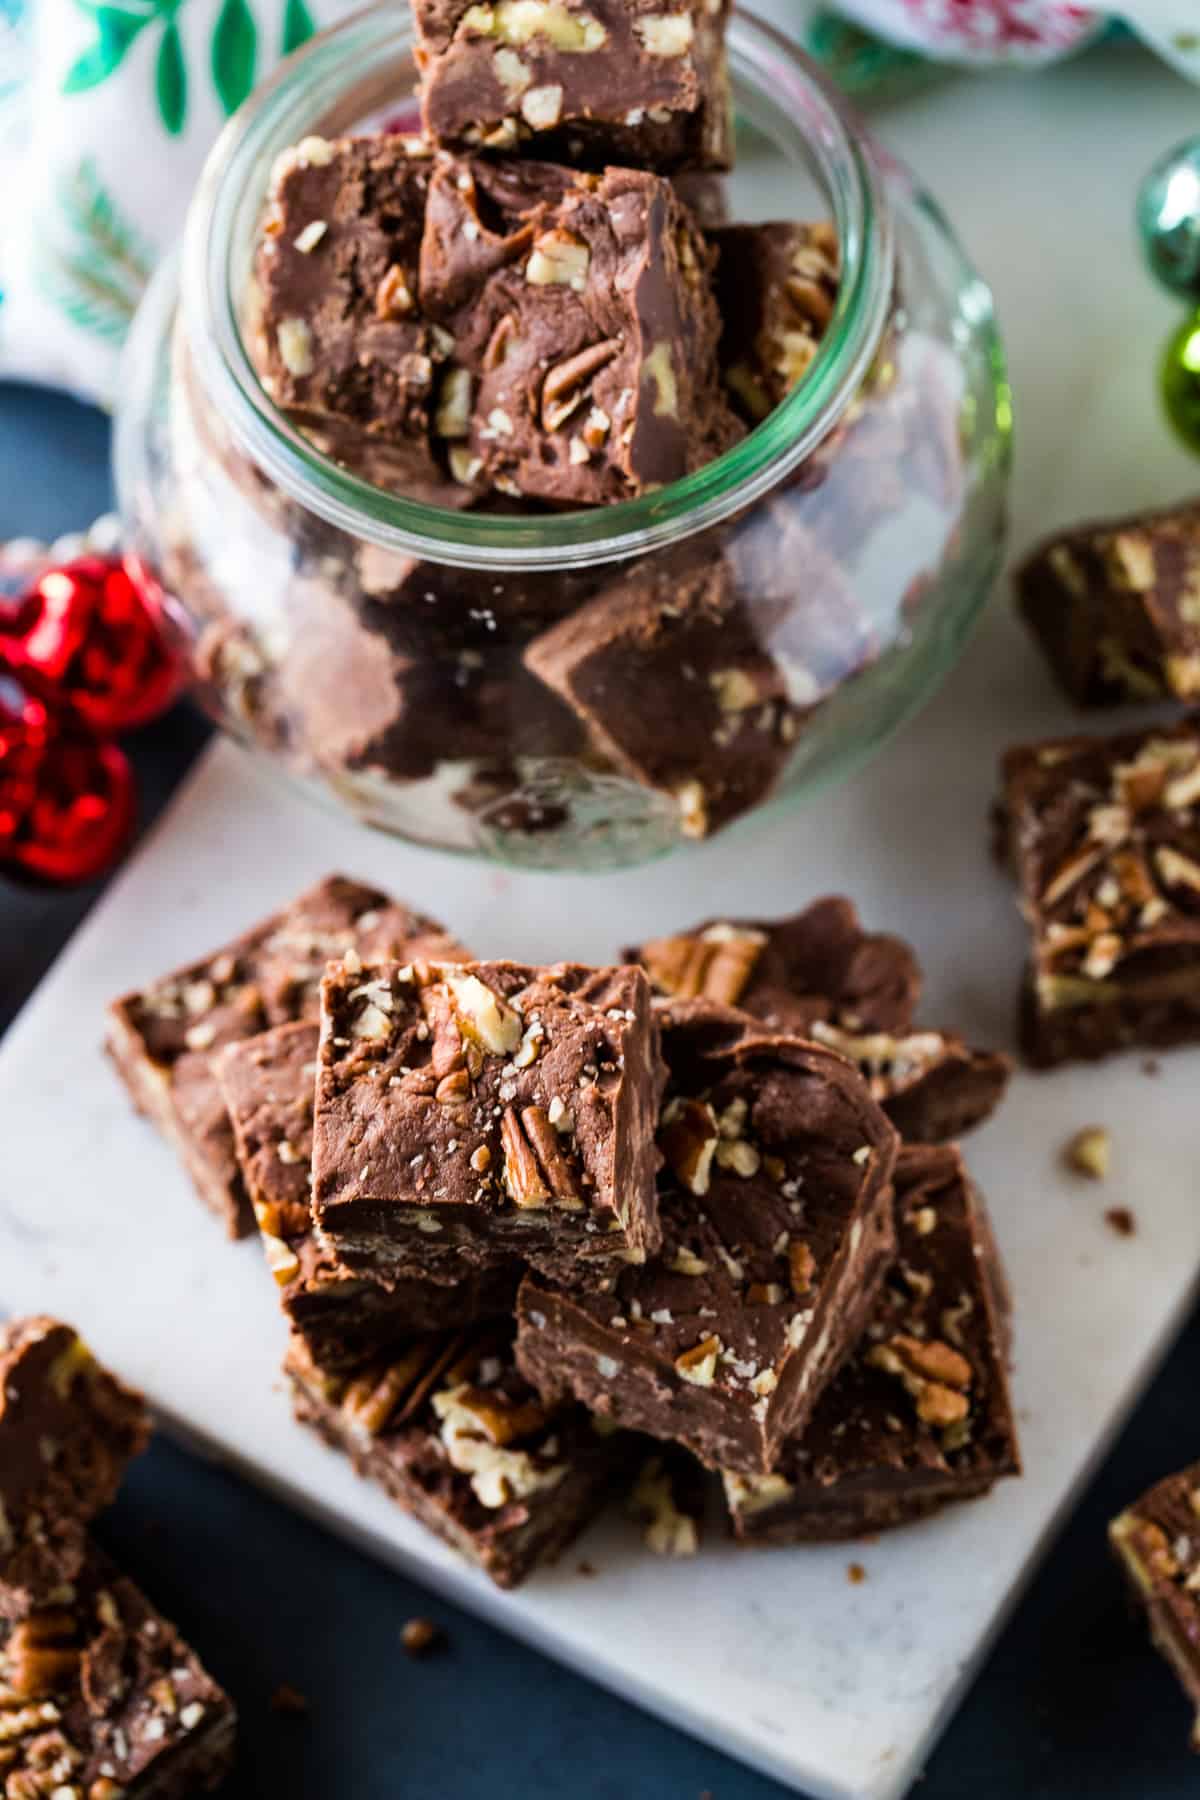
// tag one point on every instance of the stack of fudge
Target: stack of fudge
(100, 1698)
(686, 1225)
(1102, 833)
(528, 306)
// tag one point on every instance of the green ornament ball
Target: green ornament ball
(1168, 218)
(1180, 376)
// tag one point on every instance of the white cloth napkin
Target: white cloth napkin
(108, 107)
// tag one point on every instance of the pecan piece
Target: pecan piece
(688, 1138)
(40, 1655)
(393, 1393)
(714, 966)
(802, 1266)
(937, 1377)
(535, 1167)
(567, 383)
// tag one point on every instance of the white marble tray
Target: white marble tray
(834, 1688)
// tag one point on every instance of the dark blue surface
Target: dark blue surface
(1072, 1705)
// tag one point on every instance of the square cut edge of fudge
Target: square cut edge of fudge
(163, 1038)
(344, 1315)
(450, 1430)
(920, 1415)
(467, 1113)
(1157, 1543)
(1115, 606)
(776, 1212)
(1103, 837)
(68, 1430)
(101, 1698)
(625, 82)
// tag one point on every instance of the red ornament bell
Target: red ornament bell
(67, 801)
(83, 640)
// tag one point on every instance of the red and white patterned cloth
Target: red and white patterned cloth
(1027, 31)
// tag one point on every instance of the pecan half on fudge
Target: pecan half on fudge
(821, 975)
(343, 1315)
(612, 81)
(163, 1038)
(920, 1415)
(100, 1699)
(671, 638)
(453, 1433)
(467, 1114)
(1116, 606)
(776, 289)
(776, 1213)
(1157, 1541)
(584, 326)
(67, 1431)
(1103, 836)
(338, 336)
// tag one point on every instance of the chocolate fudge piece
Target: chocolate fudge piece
(820, 975)
(1103, 835)
(100, 1699)
(615, 81)
(163, 1039)
(920, 1415)
(67, 1430)
(817, 964)
(584, 327)
(776, 1213)
(669, 675)
(1116, 606)
(343, 1315)
(339, 338)
(1157, 1541)
(467, 1114)
(450, 1430)
(777, 286)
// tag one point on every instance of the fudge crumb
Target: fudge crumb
(1121, 1220)
(855, 1573)
(1150, 1065)
(420, 1636)
(289, 1699)
(587, 1568)
(1089, 1152)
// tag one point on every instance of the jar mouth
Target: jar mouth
(772, 79)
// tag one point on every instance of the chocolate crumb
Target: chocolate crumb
(421, 1636)
(288, 1699)
(1151, 1065)
(587, 1568)
(855, 1573)
(1121, 1220)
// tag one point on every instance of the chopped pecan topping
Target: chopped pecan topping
(937, 1377)
(802, 1266)
(41, 1657)
(699, 1364)
(535, 1168)
(567, 384)
(390, 1394)
(688, 1139)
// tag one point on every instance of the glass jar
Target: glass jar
(586, 688)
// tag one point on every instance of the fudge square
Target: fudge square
(67, 1430)
(671, 639)
(466, 1114)
(100, 1699)
(585, 330)
(450, 1430)
(777, 286)
(822, 976)
(776, 1211)
(920, 1415)
(164, 1038)
(1103, 836)
(617, 81)
(1116, 606)
(1157, 1541)
(338, 337)
(343, 1315)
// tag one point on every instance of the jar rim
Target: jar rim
(282, 111)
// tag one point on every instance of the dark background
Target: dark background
(1071, 1704)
